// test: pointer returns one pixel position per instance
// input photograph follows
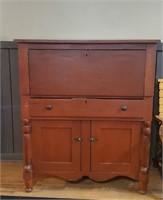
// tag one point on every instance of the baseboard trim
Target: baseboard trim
(11, 156)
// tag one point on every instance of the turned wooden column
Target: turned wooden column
(28, 175)
(144, 174)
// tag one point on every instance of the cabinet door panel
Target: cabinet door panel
(117, 146)
(53, 146)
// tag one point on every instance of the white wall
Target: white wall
(81, 19)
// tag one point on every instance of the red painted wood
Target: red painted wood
(150, 70)
(23, 68)
(117, 146)
(34, 41)
(77, 89)
(53, 145)
(85, 151)
(87, 108)
(88, 46)
(58, 72)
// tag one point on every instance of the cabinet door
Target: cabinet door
(117, 147)
(54, 147)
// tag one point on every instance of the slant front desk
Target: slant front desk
(86, 108)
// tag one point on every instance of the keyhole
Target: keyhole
(86, 54)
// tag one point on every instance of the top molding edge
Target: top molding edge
(87, 41)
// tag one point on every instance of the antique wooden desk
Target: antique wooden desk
(86, 108)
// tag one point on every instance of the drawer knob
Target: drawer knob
(124, 108)
(48, 107)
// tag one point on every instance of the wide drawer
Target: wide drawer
(90, 108)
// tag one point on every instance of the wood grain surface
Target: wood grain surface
(12, 184)
(107, 80)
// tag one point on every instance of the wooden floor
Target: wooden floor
(118, 188)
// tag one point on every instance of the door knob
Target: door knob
(78, 139)
(93, 139)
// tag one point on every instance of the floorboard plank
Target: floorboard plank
(118, 188)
